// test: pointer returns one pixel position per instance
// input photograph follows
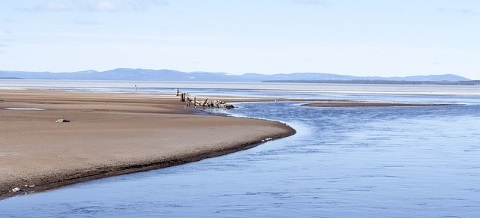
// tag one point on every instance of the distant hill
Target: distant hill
(336, 77)
(126, 74)
(403, 82)
(173, 75)
(9, 77)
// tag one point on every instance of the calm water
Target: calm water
(343, 162)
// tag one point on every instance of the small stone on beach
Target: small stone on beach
(16, 189)
(62, 121)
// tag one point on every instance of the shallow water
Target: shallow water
(343, 162)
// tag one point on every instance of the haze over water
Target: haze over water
(343, 162)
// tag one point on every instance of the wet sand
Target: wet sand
(109, 134)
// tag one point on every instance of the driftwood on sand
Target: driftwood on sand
(205, 103)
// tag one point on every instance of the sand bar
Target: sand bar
(109, 134)
(369, 104)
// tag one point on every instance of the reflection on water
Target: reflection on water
(344, 162)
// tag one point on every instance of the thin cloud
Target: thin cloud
(311, 2)
(159, 2)
(51, 6)
(109, 6)
(125, 5)
(467, 12)
(97, 5)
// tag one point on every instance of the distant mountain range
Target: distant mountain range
(173, 75)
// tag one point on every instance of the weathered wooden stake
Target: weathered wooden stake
(182, 97)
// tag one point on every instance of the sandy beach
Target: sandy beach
(109, 134)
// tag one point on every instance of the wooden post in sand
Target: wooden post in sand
(187, 102)
(182, 97)
(195, 102)
(178, 91)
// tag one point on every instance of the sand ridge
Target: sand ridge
(370, 104)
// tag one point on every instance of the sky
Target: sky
(350, 37)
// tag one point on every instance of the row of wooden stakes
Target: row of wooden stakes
(205, 103)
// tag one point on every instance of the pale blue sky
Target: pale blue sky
(356, 37)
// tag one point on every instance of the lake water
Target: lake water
(343, 162)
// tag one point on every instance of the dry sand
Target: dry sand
(109, 134)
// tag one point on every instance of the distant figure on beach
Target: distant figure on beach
(135, 87)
